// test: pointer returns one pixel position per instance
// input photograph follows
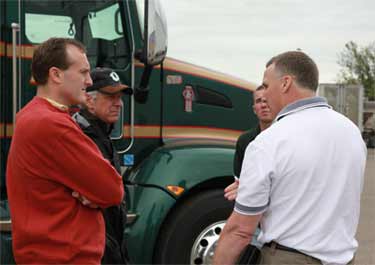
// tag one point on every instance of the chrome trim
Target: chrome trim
(5, 225)
(132, 103)
(15, 28)
(130, 218)
(20, 55)
(205, 244)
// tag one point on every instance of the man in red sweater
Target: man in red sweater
(50, 158)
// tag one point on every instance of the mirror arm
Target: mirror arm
(138, 54)
(145, 38)
(141, 92)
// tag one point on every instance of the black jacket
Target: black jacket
(115, 216)
(242, 142)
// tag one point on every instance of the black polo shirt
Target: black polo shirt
(243, 141)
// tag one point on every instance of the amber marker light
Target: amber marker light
(176, 190)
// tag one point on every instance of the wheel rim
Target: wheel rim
(204, 246)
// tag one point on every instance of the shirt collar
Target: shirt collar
(96, 122)
(57, 104)
(303, 104)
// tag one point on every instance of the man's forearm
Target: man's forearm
(229, 248)
(236, 235)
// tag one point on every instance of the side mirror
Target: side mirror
(155, 33)
(155, 43)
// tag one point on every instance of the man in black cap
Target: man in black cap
(96, 119)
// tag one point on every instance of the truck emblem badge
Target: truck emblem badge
(188, 94)
(174, 79)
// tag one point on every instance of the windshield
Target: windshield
(96, 23)
(102, 21)
(63, 27)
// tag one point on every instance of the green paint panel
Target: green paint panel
(238, 117)
(186, 164)
(151, 206)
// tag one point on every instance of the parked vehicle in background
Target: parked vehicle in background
(346, 99)
(176, 135)
(369, 124)
(368, 135)
(349, 100)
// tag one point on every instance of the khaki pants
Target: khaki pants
(279, 257)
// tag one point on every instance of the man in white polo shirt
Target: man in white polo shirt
(301, 179)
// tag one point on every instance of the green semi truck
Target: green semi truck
(176, 135)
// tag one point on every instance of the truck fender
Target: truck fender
(188, 165)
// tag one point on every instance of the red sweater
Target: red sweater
(49, 158)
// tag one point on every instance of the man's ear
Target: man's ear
(55, 75)
(287, 83)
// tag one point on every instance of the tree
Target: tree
(358, 67)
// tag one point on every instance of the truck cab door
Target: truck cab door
(107, 37)
(97, 23)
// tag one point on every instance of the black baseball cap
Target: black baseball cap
(107, 81)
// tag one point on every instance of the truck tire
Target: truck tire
(190, 232)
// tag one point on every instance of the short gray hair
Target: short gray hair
(298, 64)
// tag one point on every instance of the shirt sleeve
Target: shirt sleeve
(81, 167)
(255, 182)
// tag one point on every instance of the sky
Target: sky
(238, 37)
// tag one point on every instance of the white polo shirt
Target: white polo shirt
(305, 174)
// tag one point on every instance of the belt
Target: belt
(275, 245)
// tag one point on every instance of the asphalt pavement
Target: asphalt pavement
(366, 229)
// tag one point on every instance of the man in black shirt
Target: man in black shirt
(265, 117)
(262, 111)
(96, 119)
